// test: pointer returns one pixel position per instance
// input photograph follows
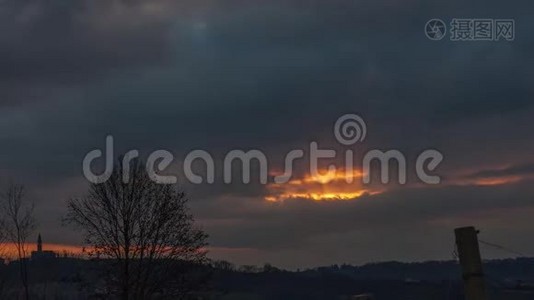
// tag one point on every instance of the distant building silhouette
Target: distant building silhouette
(41, 254)
(39, 243)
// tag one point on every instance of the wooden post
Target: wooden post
(469, 254)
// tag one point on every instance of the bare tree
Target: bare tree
(142, 226)
(4, 252)
(18, 223)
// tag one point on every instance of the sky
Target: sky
(275, 76)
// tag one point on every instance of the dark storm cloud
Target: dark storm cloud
(265, 225)
(521, 170)
(328, 227)
(48, 45)
(272, 75)
(69, 40)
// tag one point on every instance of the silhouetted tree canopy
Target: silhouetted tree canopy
(145, 228)
(17, 223)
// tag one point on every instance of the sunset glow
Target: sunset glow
(497, 181)
(490, 181)
(9, 251)
(327, 177)
(319, 196)
(326, 186)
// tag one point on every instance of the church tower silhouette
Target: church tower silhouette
(40, 254)
(39, 243)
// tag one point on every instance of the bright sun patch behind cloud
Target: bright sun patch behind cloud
(325, 186)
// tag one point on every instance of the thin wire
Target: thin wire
(502, 248)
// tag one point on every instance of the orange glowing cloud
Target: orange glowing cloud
(500, 175)
(325, 186)
(488, 181)
(497, 181)
(328, 177)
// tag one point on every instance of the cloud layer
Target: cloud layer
(275, 75)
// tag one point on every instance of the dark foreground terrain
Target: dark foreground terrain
(506, 279)
(512, 279)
